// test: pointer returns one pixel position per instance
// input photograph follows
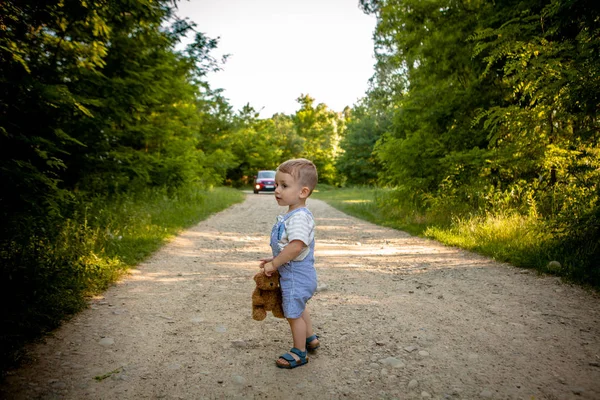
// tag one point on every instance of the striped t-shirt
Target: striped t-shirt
(300, 226)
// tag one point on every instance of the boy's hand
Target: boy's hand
(263, 262)
(268, 268)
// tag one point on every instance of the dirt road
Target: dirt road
(399, 317)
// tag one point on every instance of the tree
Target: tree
(44, 47)
(319, 128)
(500, 109)
(94, 100)
(255, 145)
(364, 127)
(432, 139)
(548, 55)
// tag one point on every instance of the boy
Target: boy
(293, 245)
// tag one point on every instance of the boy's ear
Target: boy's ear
(305, 192)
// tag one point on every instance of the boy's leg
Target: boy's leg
(309, 328)
(298, 327)
(313, 344)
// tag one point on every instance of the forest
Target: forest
(111, 137)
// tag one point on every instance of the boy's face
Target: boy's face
(289, 192)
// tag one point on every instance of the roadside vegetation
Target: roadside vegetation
(526, 241)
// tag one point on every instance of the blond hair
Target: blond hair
(303, 170)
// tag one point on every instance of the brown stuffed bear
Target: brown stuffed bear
(266, 296)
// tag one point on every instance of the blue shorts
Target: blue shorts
(298, 281)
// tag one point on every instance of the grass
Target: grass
(366, 203)
(354, 201)
(505, 235)
(520, 240)
(131, 229)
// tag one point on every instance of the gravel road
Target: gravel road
(399, 317)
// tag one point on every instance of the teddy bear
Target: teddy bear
(266, 296)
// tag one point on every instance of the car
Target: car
(264, 181)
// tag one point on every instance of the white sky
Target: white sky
(281, 49)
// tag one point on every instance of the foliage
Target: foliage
(494, 115)
(364, 127)
(262, 143)
(313, 132)
(320, 128)
(522, 240)
(95, 98)
(96, 106)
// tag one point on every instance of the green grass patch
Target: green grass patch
(102, 377)
(371, 204)
(525, 241)
(132, 228)
(358, 202)
(520, 240)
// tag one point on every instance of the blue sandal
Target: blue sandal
(293, 363)
(312, 347)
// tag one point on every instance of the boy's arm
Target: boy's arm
(289, 252)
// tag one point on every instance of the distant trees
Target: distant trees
(357, 164)
(313, 132)
(320, 128)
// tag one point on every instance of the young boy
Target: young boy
(293, 245)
